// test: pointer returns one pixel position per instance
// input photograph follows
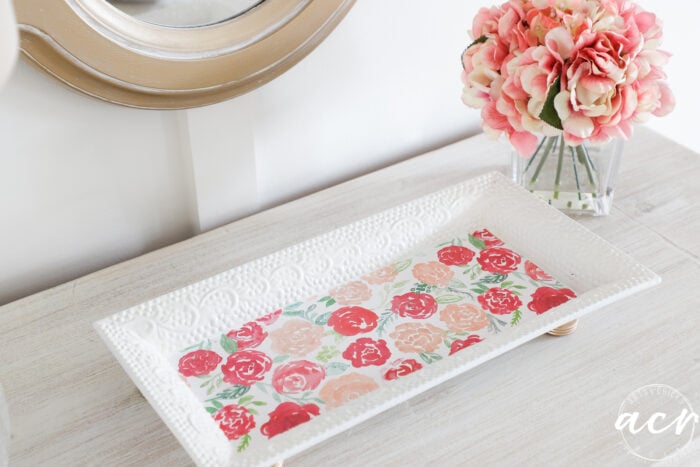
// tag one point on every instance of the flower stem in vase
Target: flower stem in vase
(578, 183)
(545, 155)
(557, 180)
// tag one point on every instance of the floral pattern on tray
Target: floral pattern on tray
(292, 365)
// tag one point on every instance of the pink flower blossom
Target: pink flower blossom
(602, 54)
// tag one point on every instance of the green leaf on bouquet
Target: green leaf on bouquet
(229, 345)
(477, 242)
(330, 302)
(479, 40)
(446, 299)
(549, 113)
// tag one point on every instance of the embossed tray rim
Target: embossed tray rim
(597, 271)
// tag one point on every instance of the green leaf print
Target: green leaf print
(229, 345)
(232, 393)
(245, 441)
(430, 357)
(477, 242)
(517, 315)
(446, 299)
(336, 368)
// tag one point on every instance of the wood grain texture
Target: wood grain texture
(552, 401)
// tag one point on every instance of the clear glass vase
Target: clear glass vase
(578, 180)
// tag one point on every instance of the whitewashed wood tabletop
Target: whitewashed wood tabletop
(553, 401)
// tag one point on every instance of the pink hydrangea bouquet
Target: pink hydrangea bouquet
(582, 69)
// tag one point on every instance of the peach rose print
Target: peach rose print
(352, 293)
(381, 276)
(433, 273)
(296, 337)
(342, 390)
(417, 337)
(463, 318)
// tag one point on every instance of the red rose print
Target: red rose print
(249, 335)
(269, 318)
(246, 367)
(499, 301)
(455, 255)
(298, 376)
(488, 238)
(352, 320)
(546, 298)
(464, 343)
(498, 260)
(287, 415)
(234, 420)
(365, 352)
(414, 305)
(198, 363)
(402, 368)
(535, 273)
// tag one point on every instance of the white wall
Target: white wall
(84, 184)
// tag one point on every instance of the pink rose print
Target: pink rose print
(498, 260)
(535, 273)
(248, 336)
(352, 293)
(546, 298)
(433, 273)
(499, 301)
(269, 318)
(296, 337)
(346, 388)
(464, 343)
(489, 239)
(297, 377)
(464, 317)
(402, 368)
(352, 320)
(366, 352)
(417, 337)
(234, 420)
(455, 255)
(286, 416)
(414, 305)
(246, 367)
(198, 363)
(381, 276)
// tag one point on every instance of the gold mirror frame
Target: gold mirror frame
(95, 48)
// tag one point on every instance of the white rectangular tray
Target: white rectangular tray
(152, 339)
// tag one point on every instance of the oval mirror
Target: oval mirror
(165, 54)
(184, 13)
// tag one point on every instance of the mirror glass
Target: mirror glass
(184, 13)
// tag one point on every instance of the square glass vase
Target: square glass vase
(578, 180)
